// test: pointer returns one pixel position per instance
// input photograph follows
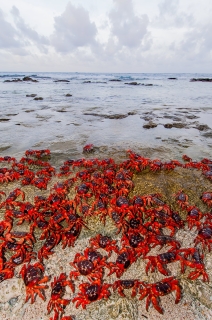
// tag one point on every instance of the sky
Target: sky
(106, 36)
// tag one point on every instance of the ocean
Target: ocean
(156, 116)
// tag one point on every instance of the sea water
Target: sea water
(112, 115)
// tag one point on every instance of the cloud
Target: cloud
(127, 28)
(28, 33)
(73, 29)
(9, 37)
(171, 16)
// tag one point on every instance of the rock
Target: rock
(172, 78)
(61, 80)
(168, 125)
(68, 95)
(32, 95)
(87, 81)
(131, 113)
(150, 125)
(179, 125)
(134, 83)
(203, 127)
(29, 79)
(201, 79)
(14, 80)
(116, 116)
(38, 98)
(115, 80)
(4, 119)
(106, 116)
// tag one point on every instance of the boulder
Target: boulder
(38, 98)
(32, 95)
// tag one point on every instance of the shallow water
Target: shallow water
(65, 124)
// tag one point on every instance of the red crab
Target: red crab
(37, 153)
(204, 237)
(186, 158)
(194, 216)
(161, 260)
(69, 237)
(10, 200)
(90, 292)
(182, 199)
(196, 262)
(57, 303)
(126, 284)
(9, 176)
(49, 244)
(156, 165)
(104, 242)
(6, 273)
(5, 227)
(82, 192)
(121, 205)
(23, 253)
(118, 219)
(24, 237)
(34, 281)
(124, 259)
(207, 198)
(26, 212)
(90, 264)
(161, 288)
(136, 242)
(162, 240)
(88, 148)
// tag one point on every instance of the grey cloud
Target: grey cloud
(27, 32)
(171, 16)
(128, 28)
(8, 34)
(73, 29)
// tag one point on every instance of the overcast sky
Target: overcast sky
(106, 35)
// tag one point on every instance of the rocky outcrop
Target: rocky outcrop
(38, 98)
(25, 79)
(61, 80)
(201, 79)
(32, 95)
(29, 79)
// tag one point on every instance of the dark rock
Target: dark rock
(14, 80)
(61, 80)
(132, 113)
(168, 125)
(106, 116)
(115, 80)
(172, 78)
(87, 81)
(202, 127)
(201, 79)
(31, 95)
(68, 95)
(147, 84)
(38, 98)
(150, 125)
(192, 116)
(208, 134)
(29, 79)
(134, 83)
(179, 125)
(4, 119)
(116, 116)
